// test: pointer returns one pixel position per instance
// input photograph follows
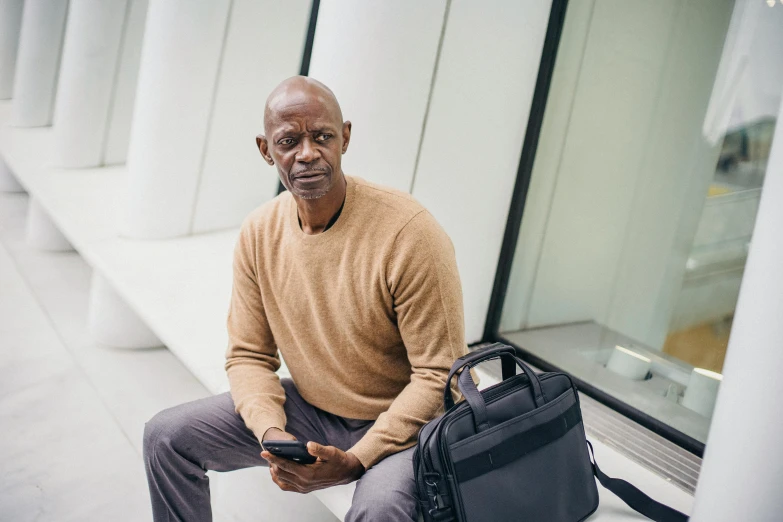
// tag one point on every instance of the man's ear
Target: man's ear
(346, 135)
(263, 147)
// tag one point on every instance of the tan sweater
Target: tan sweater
(368, 315)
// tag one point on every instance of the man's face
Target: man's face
(305, 139)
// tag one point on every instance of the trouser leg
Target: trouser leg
(183, 442)
(386, 492)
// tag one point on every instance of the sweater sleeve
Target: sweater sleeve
(252, 357)
(425, 286)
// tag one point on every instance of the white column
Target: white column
(112, 322)
(10, 24)
(38, 62)
(742, 474)
(42, 233)
(84, 93)
(179, 68)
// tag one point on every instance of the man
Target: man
(357, 286)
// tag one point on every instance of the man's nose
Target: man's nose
(307, 153)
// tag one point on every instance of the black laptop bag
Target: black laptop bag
(515, 451)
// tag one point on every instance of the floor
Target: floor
(72, 412)
(703, 346)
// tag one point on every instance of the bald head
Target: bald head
(305, 136)
(296, 92)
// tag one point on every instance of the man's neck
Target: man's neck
(315, 214)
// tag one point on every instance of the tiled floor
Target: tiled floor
(72, 412)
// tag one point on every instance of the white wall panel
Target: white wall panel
(260, 52)
(38, 62)
(378, 58)
(118, 132)
(10, 25)
(476, 125)
(92, 41)
(180, 59)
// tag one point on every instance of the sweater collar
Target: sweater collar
(332, 232)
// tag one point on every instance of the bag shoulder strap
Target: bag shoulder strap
(632, 496)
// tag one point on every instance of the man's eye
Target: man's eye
(323, 137)
(286, 141)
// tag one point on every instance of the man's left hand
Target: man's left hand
(333, 467)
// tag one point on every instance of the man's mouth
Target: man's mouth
(310, 175)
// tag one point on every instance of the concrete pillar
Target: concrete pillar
(42, 233)
(8, 182)
(112, 322)
(10, 24)
(38, 62)
(93, 37)
(180, 61)
(742, 473)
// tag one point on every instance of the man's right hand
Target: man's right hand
(277, 434)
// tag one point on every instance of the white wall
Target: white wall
(378, 58)
(475, 129)
(622, 170)
(260, 52)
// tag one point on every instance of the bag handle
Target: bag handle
(509, 361)
(634, 497)
(476, 400)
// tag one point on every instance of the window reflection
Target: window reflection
(643, 198)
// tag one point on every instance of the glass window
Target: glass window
(643, 196)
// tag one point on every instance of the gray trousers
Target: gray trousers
(183, 442)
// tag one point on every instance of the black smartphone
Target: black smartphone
(295, 450)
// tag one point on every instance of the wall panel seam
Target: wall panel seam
(429, 94)
(213, 102)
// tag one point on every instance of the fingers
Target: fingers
(282, 483)
(325, 453)
(285, 464)
(288, 477)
